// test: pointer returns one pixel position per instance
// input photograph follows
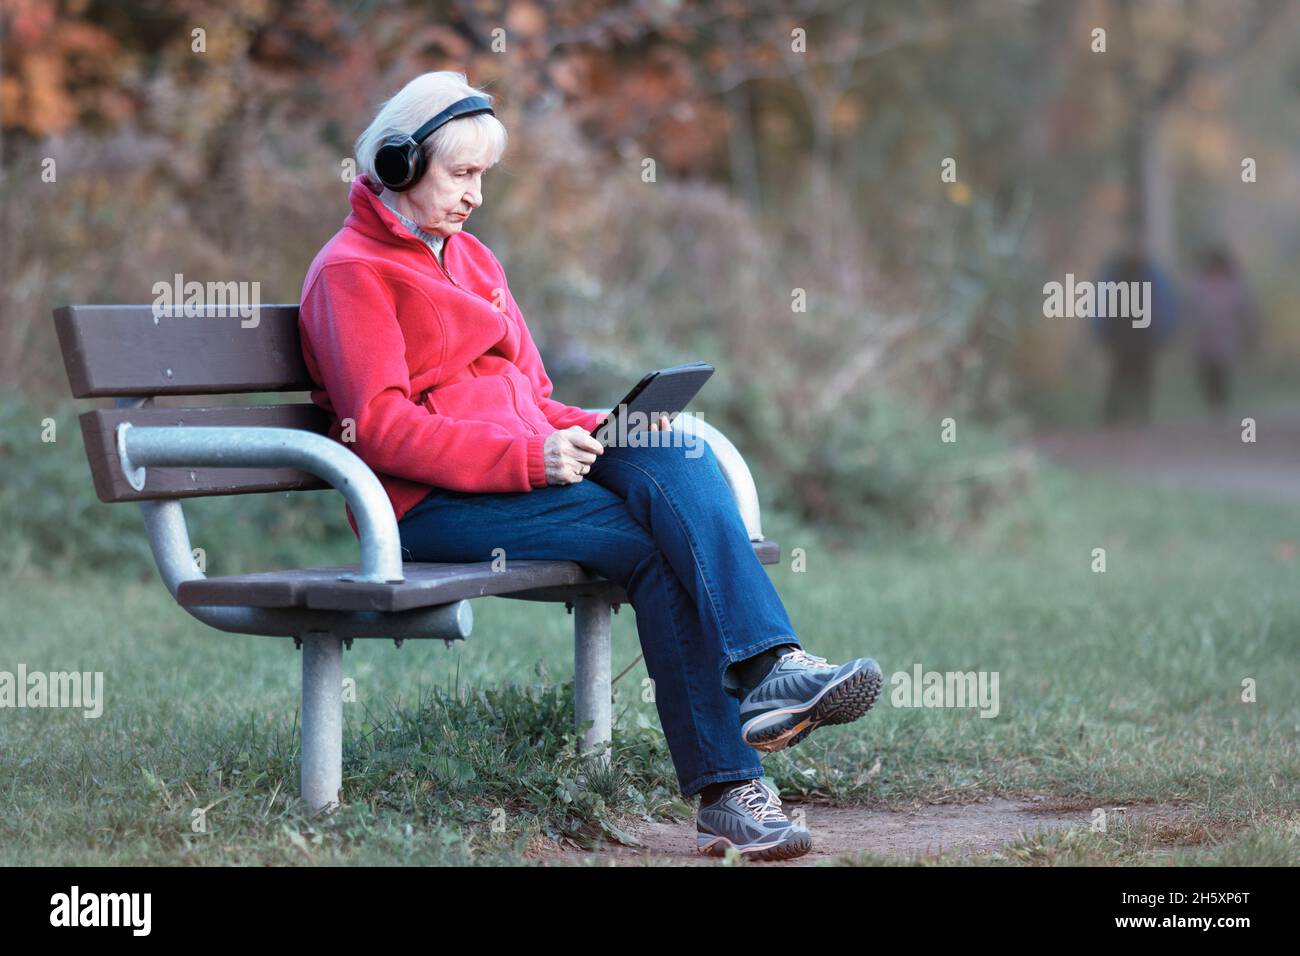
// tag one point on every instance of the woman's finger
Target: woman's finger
(580, 439)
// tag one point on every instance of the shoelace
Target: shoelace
(761, 803)
(800, 656)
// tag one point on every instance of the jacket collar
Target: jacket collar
(371, 216)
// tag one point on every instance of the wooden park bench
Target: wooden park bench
(159, 455)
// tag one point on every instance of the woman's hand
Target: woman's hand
(569, 453)
(661, 425)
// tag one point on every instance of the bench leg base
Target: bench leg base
(592, 674)
(322, 700)
(322, 719)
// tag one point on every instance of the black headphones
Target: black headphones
(400, 162)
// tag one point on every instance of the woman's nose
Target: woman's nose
(474, 196)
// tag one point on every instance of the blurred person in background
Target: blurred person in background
(1132, 350)
(1223, 318)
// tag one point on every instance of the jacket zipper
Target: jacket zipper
(514, 394)
(408, 235)
(428, 392)
(430, 253)
(435, 259)
(445, 270)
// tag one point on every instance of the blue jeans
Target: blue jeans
(662, 522)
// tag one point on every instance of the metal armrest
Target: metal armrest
(381, 550)
(732, 464)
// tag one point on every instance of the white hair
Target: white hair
(417, 102)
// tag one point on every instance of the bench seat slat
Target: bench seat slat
(426, 585)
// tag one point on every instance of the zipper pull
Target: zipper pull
(446, 271)
(444, 268)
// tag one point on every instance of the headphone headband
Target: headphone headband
(469, 106)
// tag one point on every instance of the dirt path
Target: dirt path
(1195, 454)
(970, 829)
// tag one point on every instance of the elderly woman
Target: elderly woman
(429, 372)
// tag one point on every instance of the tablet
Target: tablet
(664, 391)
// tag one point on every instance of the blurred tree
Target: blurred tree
(1158, 49)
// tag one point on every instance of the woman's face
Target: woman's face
(448, 192)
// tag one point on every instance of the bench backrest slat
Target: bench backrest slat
(98, 429)
(124, 350)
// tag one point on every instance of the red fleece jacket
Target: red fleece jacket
(434, 367)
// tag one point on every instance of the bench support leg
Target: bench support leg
(322, 719)
(591, 673)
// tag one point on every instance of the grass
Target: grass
(1121, 687)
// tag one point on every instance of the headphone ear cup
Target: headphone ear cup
(417, 165)
(399, 163)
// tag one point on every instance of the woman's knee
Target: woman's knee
(630, 558)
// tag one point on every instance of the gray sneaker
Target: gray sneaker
(800, 693)
(749, 817)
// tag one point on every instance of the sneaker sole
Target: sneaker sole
(796, 845)
(842, 704)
